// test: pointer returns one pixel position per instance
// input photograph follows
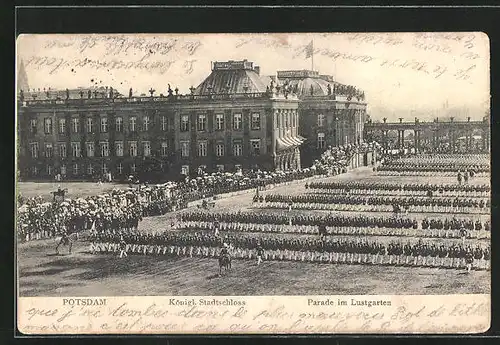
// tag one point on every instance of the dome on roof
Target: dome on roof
(303, 86)
(231, 81)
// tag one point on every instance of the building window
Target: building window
(294, 119)
(202, 122)
(185, 170)
(278, 120)
(202, 149)
(90, 148)
(47, 125)
(104, 124)
(145, 123)
(75, 149)
(133, 168)
(104, 168)
(164, 149)
(118, 124)
(202, 169)
(75, 169)
(90, 169)
(75, 125)
(62, 150)
(132, 149)
(185, 148)
(255, 121)
(34, 170)
(184, 123)
(255, 146)
(321, 120)
(104, 148)
(119, 148)
(119, 168)
(285, 120)
(237, 119)
(34, 150)
(63, 170)
(164, 123)
(33, 126)
(49, 170)
(219, 149)
(90, 125)
(146, 147)
(132, 123)
(49, 150)
(220, 167)
(219, 122)
(62, 126)
(237, 148)
(321, 140)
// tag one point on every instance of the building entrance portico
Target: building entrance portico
(287, 160)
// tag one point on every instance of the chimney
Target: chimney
(257, 69)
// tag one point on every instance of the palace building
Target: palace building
(234, 120)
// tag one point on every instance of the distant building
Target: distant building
(22, 78)
(235, 119)
(331, 114)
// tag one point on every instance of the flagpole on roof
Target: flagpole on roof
(312, 55)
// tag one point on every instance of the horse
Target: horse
(59, 193)
(65, 240)
(224, 263)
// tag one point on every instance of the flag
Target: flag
(309, 50)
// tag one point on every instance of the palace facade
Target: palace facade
(234, 120)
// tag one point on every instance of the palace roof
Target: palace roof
(232, 77)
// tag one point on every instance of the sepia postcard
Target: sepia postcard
(312, 183)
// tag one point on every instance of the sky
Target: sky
(402, 74)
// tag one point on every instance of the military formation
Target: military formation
(330, 220)
(430, 204)
(438, 229)
(365, 187)
(347, 251)
(469, 164)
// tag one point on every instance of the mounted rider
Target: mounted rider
(224, 251)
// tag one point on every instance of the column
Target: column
(297, 158)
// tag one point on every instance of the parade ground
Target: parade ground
(43, 273)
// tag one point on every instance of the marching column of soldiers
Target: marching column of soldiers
(439, 229)
(419, 204)
(363, 187)
(295, 249)
(332, 220)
